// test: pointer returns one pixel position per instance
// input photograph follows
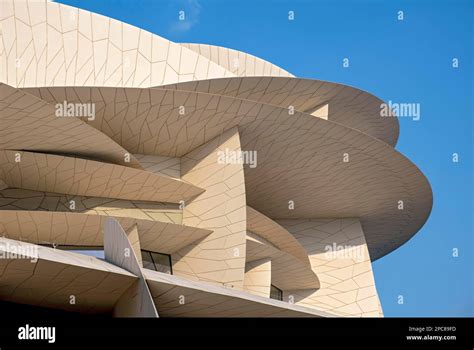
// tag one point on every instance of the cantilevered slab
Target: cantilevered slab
(347, 105)
(161, 113)
(168, 166)
(53, 173)
(288, 272)
(58, 279)
(238, 62)
(45, 227)
(205, 300)
(29, 123)
(275, 234)
(320, 169)
(169, 122)
(21, 199)
(301, 158)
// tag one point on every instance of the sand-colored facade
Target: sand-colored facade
(269, 195)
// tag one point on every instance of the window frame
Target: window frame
(150, 253)
(280, 292)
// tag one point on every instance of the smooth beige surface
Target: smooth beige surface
(57, 277)
(136, 302)
(168, 166)
(118, 249)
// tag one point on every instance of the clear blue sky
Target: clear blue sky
(402, 61)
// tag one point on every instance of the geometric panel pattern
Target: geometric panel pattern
(275, 234)
(239, 63)
(339, 256)
(51, 44)
(258, 277)
(175, 297)
(29, 123)
(323, 194)
(60, 228)
(57, 279)
(318, 178)
(302, 172)
(347, 105)
(52, 173)
(21, 199)
(286, 271)
(220, 257)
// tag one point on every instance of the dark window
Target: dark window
(157, 261)
(275, 293)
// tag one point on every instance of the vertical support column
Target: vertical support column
(220, 257)
(339, 256)
(258, 277)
